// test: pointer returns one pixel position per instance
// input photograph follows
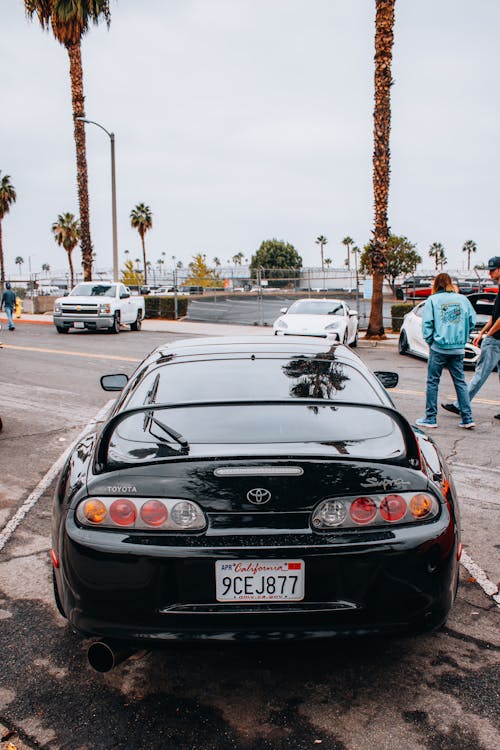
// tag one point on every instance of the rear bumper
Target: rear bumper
(140, 593)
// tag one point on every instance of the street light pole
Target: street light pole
(113, 193)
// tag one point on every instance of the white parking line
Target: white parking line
(489, 588)
(44, 483)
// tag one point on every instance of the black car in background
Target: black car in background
(258, 487)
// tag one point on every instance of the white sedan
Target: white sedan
(411, 340)
(319, 317)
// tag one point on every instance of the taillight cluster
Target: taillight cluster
(375, 510)
(167, 514)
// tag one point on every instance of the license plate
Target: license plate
(79, 324)
(259, 580)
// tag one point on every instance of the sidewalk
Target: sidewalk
(183, 327)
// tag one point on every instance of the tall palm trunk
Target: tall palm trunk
(144, 259)
(71, 272)
(384, 38)
(2, 266)
(76, 75)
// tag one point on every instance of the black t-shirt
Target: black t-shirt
(496, 315)
(8, 298)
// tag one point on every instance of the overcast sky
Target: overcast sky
(242, 120)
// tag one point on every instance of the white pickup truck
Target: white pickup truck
(97, 305)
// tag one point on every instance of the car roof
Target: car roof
(262, 344)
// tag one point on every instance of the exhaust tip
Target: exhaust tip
(101, 656)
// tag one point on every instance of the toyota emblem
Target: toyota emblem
(258, 496)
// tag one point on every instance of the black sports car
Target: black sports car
(257, 487)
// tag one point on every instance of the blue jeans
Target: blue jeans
(8, 312)
(455, 364)
(489, 357)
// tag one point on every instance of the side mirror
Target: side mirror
(124, 295)
(65, 294)
(114, 382)
(387, 378)
(352, 313)
(283, 310)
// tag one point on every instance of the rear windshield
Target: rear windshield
(334, 429)
(259, 378)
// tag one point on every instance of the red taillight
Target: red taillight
(392, 508)
(363, 510)
(154, 513)
(123, 512)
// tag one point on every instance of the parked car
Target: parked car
(414, 287)
(98, 305)
(252, 488)
(411, 340)
(192, 290)
(319, 317)
(163, 291)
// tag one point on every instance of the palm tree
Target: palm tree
(7, 198)
(348, 241)
(436, 251)
(321, 241)
(469, 247)
(328, 262)
(384, 39)
(67, 233)
(70, 20)
(19, 262)
(141, 219)
(216, 262)
(238, 258)
(46, 268)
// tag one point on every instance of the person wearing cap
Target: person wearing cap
(9, 303)
(489, 341)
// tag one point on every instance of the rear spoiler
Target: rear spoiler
(412, 450)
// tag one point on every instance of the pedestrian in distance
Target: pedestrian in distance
(447, 320)
(8, 303)
(489, 341)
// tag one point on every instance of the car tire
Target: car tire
(137, 324)
(403, 343)
(355, 342)
(115, 328)
(345, 338)
(62, 329)
(57, 598)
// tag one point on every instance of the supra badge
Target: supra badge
(258, 496)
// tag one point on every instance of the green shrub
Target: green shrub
(397, 314)
(163, 307)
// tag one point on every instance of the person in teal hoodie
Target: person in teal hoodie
(447, 320)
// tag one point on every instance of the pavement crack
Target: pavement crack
(44, 433)
(479, 642)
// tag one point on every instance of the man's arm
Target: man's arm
(489, 329)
